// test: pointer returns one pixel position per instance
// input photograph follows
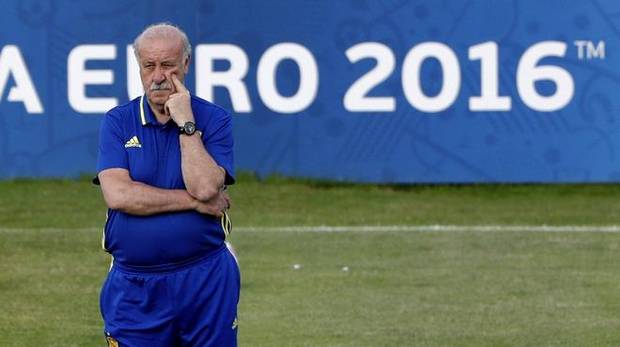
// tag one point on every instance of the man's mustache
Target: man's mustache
(165, 85)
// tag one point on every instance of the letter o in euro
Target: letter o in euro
(308, 81)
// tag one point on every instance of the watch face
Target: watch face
(189, 128)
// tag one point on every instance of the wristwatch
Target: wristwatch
(189, 128)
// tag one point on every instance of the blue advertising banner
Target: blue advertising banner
(358, 90)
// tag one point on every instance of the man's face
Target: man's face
(160, 58)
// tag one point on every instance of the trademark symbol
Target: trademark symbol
(588, 50)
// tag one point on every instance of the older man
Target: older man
(164, 160)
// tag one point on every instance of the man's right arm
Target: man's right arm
(122, 193)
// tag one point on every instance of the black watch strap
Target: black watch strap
(189, 128)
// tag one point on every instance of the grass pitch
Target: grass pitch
(433, 288)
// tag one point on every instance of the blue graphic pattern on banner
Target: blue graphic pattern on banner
(359, 90)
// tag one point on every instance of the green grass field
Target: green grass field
(403, 288)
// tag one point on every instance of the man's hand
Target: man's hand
(178, 107)
(215, 206)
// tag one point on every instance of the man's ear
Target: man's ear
(186, 65)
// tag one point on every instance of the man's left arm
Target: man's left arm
(202, 176)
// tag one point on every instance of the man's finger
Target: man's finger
(178, 85)
(167, 109)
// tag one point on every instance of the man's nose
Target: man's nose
(158, 76)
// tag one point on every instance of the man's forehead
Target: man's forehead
(161, 47)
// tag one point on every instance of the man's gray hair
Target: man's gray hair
(165, 30)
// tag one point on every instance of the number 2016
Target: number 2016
(529, 71)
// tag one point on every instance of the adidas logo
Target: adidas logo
(133, 142)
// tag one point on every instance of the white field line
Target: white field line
(437, 228)
(385, 228)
